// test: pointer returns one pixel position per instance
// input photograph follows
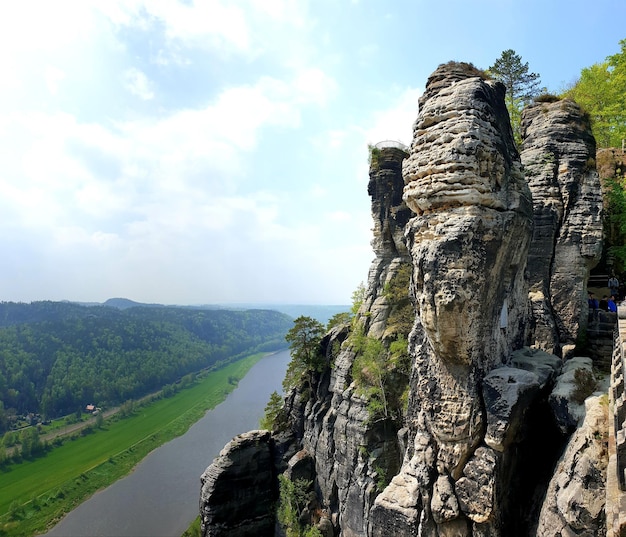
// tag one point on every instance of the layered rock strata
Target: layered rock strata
(352, 451)
(468, 242)
(238, 490)
(559, 161)
(471, 452)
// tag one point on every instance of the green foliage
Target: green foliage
(382, 479)
(381, 374)
(615, 220)
(374, 156)
(585, 383)
(521, 86)
(194, 529)
(601, 91)
(16, 510)
(338, 319)
(304, 340)
(273, 409)
(547, 98)
(294, 497)
(402, 313)
(358, 296)
(469, 69)
(55, 358)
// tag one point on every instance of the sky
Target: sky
(215, 151)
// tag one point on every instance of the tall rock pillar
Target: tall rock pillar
(468, 241)
(559, 161)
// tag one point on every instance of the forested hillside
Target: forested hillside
(57, 357)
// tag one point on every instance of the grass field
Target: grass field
(35, 494)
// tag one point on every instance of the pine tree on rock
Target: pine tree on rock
(521, 86)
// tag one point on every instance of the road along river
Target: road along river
(160, 497)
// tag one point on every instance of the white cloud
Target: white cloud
(138, 84)
(53, 77)
(396, 121)
(240, 27)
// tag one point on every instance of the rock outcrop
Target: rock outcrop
(468, 243)
(351, 450)
(431, 417)
(239, 490)
(574, 503)
(559, 162)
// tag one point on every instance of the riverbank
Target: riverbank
(35, 494)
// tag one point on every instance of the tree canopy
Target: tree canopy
(55, 358)
(601, 91)
(304, 339)
(521, 86)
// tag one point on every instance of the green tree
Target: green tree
(358, 296)
(521, 86)
(338, 319)
(616, 219)
(99, 420)
(601, 91)
(272, 411)
(304, 342)
(294, 497)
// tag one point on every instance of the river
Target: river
(160, 497)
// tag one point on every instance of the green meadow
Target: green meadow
(35, 494)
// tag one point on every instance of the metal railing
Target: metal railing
(391, 143)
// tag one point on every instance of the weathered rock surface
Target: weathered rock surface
(567, 411)
(468, 243)
(574, 503)
(545, 365)
(453, 221)
(348, 448)
(559, 161)
(239, 489)
(507, 392)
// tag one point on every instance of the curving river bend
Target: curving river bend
(160, 497)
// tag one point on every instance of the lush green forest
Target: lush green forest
(57, 357)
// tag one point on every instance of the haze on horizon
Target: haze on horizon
(187, 152)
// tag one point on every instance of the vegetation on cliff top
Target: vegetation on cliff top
(521, 86)
(601, 91)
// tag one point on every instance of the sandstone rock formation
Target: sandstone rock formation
(238, 490)
(559, 161)
(468, 448)
(574, 503)
(468, 243)
(350, 449)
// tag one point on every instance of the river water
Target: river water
(160, 497)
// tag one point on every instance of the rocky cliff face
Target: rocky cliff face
(468, 244)
(239, 489)
(575, 500)
(559, 161)
(455, 435)
(351, 451)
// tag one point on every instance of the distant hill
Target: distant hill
(125, 303)
(57, 357)
(322, 313)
